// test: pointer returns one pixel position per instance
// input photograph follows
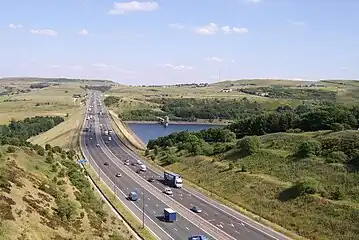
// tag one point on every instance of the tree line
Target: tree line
(17, 132)
(301, 119)
(103, 88)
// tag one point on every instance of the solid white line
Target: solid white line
(81, 142)
(222, 205)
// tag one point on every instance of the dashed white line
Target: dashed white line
(187, 228)
(205, 213)
(156, 205)
(175, 229)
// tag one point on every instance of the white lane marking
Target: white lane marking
(242, 224)
(156, 205)
(175, 229)
(154, 212)
(205, 213)
(109, 152)
(149, 199)
(187, 228)
(212, 220)
(219, 225)
(223, 208)
(236, 232)
(231, 224)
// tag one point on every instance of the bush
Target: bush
(307, 186)
(308, 148)
(337, 127)
(249, 144)
(10, 149)
(65, 209)
(336, 157)
(47, 147)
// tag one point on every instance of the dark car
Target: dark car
(138, 171)
(196, 209)
(106, 163)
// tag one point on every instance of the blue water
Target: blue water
(148, 131)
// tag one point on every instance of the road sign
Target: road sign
(81, 161)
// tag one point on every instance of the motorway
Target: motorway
(216, 220)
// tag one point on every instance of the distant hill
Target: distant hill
(31, 80)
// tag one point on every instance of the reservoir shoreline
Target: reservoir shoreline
(178, 123)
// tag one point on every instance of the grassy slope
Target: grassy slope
(29, 213)
(63, 135)
(53, 100)
(271, 171)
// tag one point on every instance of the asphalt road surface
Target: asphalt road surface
(214, 215)
(181, 229)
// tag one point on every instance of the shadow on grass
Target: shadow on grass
(235, 155)
(288, 194)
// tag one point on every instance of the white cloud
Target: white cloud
(55, 66)
(13, 26)
(133, 6)
(83, 32)
(176, 25)
(209, 29)
(177, 67)
(296, 23)
(214, 59)
(46, 32)
(229, 29)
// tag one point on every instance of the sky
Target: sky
(180, 41)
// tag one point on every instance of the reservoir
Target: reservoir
(148, 131)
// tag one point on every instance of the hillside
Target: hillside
(48, 197)
(32, 80)
(315, 196)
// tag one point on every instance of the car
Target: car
(133, 164)
(196, 209)
(197, 237)
(138, 171)
(151, 179)
(139, 162)
(97, 145)
(168, 191)
(118, 175)
(127, 163)
(106, 163)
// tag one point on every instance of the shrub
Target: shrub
(307, 186)
(337, 157)
(308, 148)
(249, 144)
(10, 149)
(47, 147)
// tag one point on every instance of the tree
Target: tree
(65, 209)
(307, 186)
(249, 144)
(10, 149)
(147, 151)
(155, 150)
(47, 147)
(308, 148)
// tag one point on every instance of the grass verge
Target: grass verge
(121, 209)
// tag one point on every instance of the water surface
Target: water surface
(147, 131)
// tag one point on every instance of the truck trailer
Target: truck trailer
(173, 179)
(169, 215)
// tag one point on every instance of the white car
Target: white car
(139, 162)
(127, 163)
(168, 191)
(97, 145)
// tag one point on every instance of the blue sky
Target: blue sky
(171, 41)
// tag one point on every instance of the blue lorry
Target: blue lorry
(172, 179)
(169, 215)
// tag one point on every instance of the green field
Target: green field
(262, 183)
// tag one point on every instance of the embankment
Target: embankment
(125, 132)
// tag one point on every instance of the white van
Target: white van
(143, 168)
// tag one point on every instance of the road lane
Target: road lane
(180, 229)
(234, 225)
